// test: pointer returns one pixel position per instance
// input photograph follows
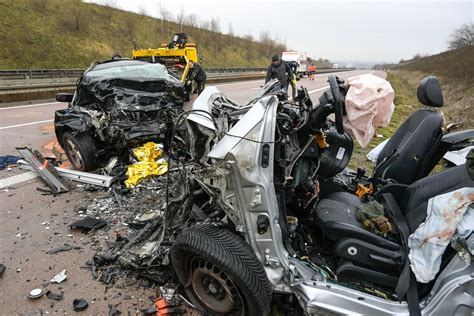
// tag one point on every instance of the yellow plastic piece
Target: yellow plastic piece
(147, 166)
(363, 190)
(320, 138)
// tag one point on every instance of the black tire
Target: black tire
(81, 151)
(220, 273)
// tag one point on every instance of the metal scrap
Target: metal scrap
(44, 169)
(74, 175)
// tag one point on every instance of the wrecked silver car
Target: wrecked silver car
(118, 104)
(274, 217)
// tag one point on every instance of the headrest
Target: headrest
(429, 92)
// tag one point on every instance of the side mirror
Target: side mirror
(64, 97)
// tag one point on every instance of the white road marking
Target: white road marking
(19, 178)
(25, 124)
(29, 105)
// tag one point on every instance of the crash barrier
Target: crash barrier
(27, 74)
(39, 86)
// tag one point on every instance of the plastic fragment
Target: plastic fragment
(60, 277)
(79, 304)
(53, 296)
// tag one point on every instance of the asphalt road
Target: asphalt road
(32, 223)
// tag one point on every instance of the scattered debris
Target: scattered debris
(113, 311)
(7, 160)
(2, 268)
(80, 304)
(36, 293)
(65, 247)
(60, 277)
(44, 169)
(53, 296)
(88, 223)
(74, 175)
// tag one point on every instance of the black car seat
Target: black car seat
(370, 257)
(408, 154)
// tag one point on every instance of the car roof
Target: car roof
(118, 63)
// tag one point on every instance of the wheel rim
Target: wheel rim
(214, 289)
(74, 154)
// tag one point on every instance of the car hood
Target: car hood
(127, 94)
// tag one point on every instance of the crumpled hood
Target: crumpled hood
(128, 95)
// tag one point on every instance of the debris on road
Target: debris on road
(74, 175)
(80, 305)
(36, 293)
(53, 296)
(7, 160)
(2, 268)
(88, 223)
(60, 277)
(65, 247)
(44, 169)
(113, 311)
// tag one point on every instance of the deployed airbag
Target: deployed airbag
(369, 105)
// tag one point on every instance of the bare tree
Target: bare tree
(215, 28)
(130, 23)
(142, 10)
(249, 37)
(180, 18)
(165, 16)
(266, 41)
(191, 20)
(214, 25)
(230, 30)
(75, 21)
(205, 25)
(463, 36)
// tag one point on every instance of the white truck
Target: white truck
(298, 59)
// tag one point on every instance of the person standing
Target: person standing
(280, 70)
(312, 71)
(198, 75)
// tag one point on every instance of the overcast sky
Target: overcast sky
(339, 30)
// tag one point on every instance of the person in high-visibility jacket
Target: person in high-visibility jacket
(312, 71)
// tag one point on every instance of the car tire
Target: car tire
(220, 273)
(80, 150)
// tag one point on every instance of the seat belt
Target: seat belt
(406, 285)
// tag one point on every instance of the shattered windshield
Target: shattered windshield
(138, 71)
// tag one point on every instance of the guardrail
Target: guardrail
(28, 74)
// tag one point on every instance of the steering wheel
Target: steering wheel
(336, 95)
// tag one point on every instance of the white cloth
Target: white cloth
(449, 216)
(369, 105)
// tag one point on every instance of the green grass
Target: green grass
(73, 34)
(405, 104)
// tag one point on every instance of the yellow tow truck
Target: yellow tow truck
(175, 55)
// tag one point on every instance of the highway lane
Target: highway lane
(32, 124)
